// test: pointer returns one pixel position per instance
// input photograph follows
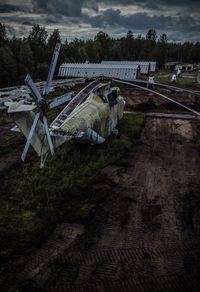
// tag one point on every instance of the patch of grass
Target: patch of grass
(181, 81)
(3, 117)
(32, 201)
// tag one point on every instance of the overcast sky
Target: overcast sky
(180, 19)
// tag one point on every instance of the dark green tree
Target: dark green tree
(3, 35)
(129, 46)
(38, 35)
(54, 38)
(37, 40)
(102, 46)
(161, 50)
(26, 62)
(151, 35)
(8, 68)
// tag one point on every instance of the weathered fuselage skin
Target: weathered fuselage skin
(97, 114)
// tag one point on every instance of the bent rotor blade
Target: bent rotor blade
(159, 94)
(52, 68)
(175, 88)
(48, 135)
(30, 136)
(34, 90)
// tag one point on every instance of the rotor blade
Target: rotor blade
(18, 107)
(34, 90)
(159, 94)
(30, 136)
(48, 135)
(175, 88)
(60, 100)
(52, 68)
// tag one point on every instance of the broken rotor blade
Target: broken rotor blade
(60, 100)
(34, 90)
(163, 85)
(52, 68)
(159, 94)
(48, 135)
(30, 136)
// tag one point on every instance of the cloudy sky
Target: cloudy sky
(180, 19)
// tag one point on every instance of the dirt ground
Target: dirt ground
(10, 148)
(144, 235)
(140, 100)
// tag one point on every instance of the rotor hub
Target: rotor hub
(43, 106)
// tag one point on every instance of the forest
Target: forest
(32, 54)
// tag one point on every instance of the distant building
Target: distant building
(93, 70)
(179, 65)
(185, 67)
(145, 66)
(171, 65)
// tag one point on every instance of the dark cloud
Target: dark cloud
(152, 2)
(143, 21)
(28, 23)
(63, 7)
(74, 7)
(176, 17)
(6, 8)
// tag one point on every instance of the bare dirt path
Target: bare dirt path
(144, 233)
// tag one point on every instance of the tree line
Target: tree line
(32, 54)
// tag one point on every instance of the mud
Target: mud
(142, 228)
(140, 100)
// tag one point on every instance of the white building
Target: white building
(145, 67)
(122, 71)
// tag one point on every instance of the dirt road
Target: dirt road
(143, 234)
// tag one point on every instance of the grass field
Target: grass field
(32, 201)
(181, 81)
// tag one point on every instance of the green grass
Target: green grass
(32, 201)
(181, 81)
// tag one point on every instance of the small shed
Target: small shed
(172, 65)
(185, 67)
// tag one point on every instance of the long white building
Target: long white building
(145, 66)
(121, 71)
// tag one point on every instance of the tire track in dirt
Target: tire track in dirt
(144, 235)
